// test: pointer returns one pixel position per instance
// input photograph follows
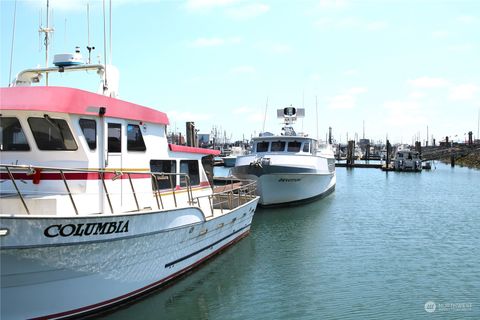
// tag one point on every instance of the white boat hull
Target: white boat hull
(287, 189)
(290, 179)
(277, 189)
(60, 267)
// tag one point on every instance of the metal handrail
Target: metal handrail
(225, 199)
(101, 173)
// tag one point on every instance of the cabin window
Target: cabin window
(190, 167)
(278, 146)
(114, 137)
(89, 129)
(52, 134)
(165, 166)
(262, 146)
(134, 138)
(294, 146)
(12, 136)
(306, 147)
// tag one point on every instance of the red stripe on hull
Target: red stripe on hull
(71, 176)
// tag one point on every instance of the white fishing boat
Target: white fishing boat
(229, 160)
(407, 160)
(96, 207)
(289, 168)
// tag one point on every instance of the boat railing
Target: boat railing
(18, 175)
(166, 195)
(234, 193)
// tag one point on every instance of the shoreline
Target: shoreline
(471, 160)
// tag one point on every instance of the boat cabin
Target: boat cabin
(407, 160)
(56, 127)
(300, 145)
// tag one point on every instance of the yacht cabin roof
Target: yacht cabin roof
(75, 101)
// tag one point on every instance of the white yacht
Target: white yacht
(229, 160)
(96, 207)
(407, 160)
(289, 168)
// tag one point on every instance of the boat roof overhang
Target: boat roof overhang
(282, 138)
(75, 101)
(187, 149)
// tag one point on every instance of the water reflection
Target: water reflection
(380, 246)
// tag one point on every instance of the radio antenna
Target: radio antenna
(265, 116)
(316, 110)
(46, 30)
(105, 84)
(13, 41)
(89, 48)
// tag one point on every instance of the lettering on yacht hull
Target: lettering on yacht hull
(87, 229)
(289, 179)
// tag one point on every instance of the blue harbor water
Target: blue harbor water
(382, 246)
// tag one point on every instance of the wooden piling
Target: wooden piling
(350, 153)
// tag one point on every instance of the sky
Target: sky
(389, 69)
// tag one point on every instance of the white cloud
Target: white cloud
(346, 100)
(376, 25)
(315, 77)
(429, 82)
(463, 92)
(356, 90)
(461, 48)
(208, 4)
(467, 19)
(174, 115)
(280, 48)
(440, 34)
(404, 113)
(350, 72)
(242, 110)
(349, 23)
(247, 11)
(61, 5)
(243, 69)
(213, 42)
(416, 95)
(332, 4)
(207, 42)
(275, 48)
(81, 5)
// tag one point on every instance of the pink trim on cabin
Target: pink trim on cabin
(75, 101)
(177, 148)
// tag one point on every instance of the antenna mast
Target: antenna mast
(89, 48)
(13, 41)
(265, 116)
(105, 84)
(47, 30)
(316, 110)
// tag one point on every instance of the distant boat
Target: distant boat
(229, 160)
(407, 160)
(289, 168)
